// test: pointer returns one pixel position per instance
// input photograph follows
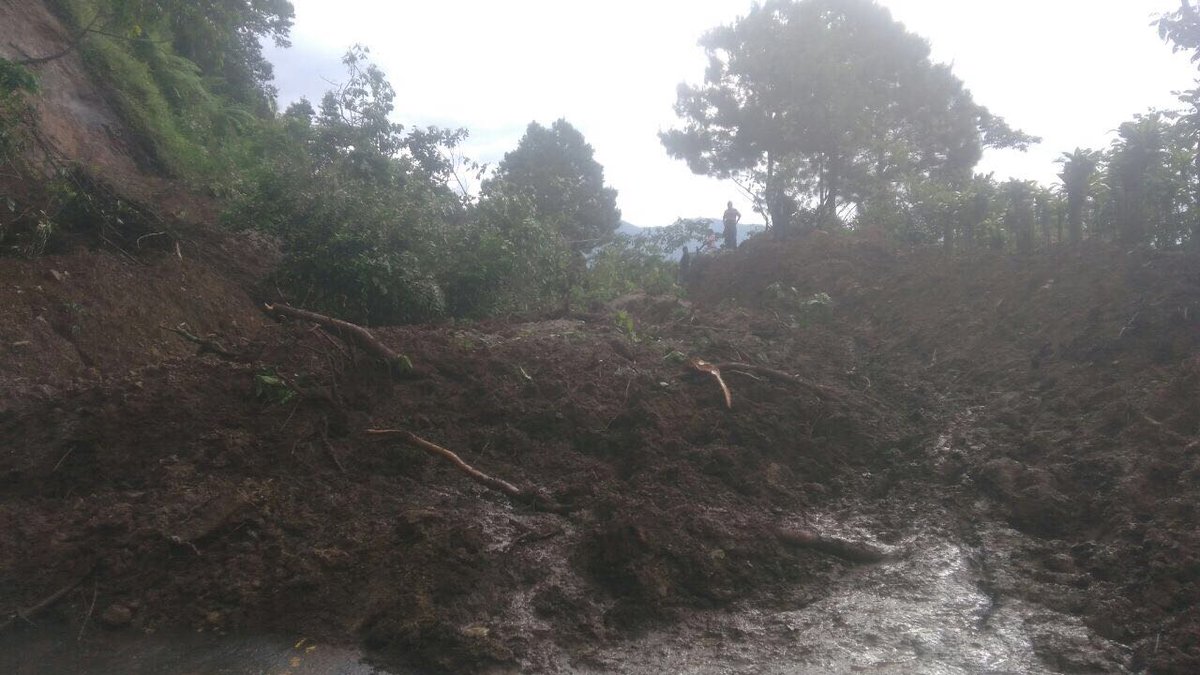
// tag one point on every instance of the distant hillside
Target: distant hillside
(745, 231)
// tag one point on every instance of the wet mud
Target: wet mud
(1015, 436)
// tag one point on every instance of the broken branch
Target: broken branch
(329, 446)
(348, 332)
(715, 371)
(1188, 443)
(438, 451)
(533, 497)
(775, 375)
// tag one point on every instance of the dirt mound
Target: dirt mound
(1068, 386)
(243, 495)
(1056, 393)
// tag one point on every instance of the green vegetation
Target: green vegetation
(825, 105)
(16, 83)
(832, 115)
(828, 112)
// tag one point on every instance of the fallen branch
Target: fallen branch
(88, 617)
(775, 375)
(29, 612)
(515, 493)
(438, 451)
(715, 371)
(761, 370)
(349, 332)
(853, 551)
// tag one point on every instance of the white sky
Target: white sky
(1069, 71)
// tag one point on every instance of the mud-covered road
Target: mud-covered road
(931, 609)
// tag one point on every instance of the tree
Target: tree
(556, 169)
(1020, 213)
(360, 202)
(828, 103)
(1182, 29)
(222, 37)
(1078, 176)
(547, 205)
(977, 198)
(1137, 177)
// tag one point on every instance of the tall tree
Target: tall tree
(1182, 29)
(1020, 213)
(222, 37)
(828, 103)
(977, 198)
(1078, 176)
(557, 170)
(1136, 175)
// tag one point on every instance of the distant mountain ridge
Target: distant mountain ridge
(745, 231)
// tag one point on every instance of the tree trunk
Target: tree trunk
(1075, 217)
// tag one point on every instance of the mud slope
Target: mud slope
(1058, 395)
(214, 494)
(1070, 386)
(205, 494)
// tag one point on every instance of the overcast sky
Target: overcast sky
(1069, 71)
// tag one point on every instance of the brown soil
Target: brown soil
(203, 499)
(1069, 383)
(1066, 387)
(1058, 393)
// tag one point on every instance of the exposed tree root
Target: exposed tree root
(349, 332)
(29, 612)
(533, 497)
(853, 551)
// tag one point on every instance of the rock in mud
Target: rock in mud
(117, 615)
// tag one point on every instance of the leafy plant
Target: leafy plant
(270, 388)
(624, 322)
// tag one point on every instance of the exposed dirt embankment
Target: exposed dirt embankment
(77, 123)
(244, 494)
(1071, 383)
(213, 493)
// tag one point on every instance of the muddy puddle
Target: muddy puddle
(927, 610)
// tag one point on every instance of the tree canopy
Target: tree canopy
(818, 104)
(556, 168)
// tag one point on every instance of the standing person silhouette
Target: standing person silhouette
(731, 219)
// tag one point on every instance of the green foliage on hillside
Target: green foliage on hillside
(371, 230)
(829, 112)
(16, 83)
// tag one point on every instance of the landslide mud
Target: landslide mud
(1018, 436)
